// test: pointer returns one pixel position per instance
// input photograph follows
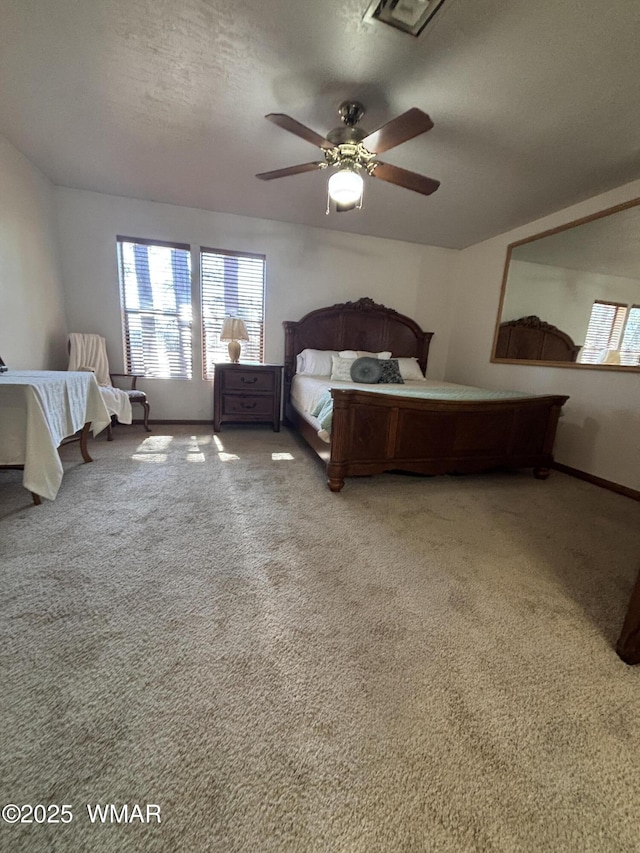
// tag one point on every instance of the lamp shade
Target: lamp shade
(233, 329)
(345, 186)
(609, 356)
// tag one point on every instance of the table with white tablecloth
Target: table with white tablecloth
(38, 410)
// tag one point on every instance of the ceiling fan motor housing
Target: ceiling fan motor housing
(350, 112)
(341, 135)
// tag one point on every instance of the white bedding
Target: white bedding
(310, 395)
(307, 392)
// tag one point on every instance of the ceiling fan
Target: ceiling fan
(352, 152)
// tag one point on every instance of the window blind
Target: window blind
(604, 330)
(231, 285)
(630, 346)
(155, 285)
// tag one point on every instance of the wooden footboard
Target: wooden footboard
(372, 433)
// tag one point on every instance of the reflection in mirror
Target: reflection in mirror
(571, 296)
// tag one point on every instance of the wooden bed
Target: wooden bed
(532, 339)
(374, 432)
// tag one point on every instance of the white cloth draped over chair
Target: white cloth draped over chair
(89, 352)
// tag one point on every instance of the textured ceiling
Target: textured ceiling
(535, 104)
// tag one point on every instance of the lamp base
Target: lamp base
(234, 352)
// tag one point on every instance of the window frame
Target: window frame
(630, 353)
(209, 354)
(126, 311)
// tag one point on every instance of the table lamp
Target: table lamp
(234, 330)
(609, 356)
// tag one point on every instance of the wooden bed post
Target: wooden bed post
(628, 646)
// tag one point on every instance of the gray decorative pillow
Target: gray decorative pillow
(366, 370)
(390, 372)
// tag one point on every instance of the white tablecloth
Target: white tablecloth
(38, 409)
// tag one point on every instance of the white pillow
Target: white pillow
(363, 354)
(315, 362)
(352, 353)
(410, 369)
(341, 368)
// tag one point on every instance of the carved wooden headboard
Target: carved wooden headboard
(361, 325)
(531, 339)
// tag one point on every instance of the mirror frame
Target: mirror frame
(617, 368)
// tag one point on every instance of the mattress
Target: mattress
(309, 393)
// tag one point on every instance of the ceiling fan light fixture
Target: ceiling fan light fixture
(345, 187)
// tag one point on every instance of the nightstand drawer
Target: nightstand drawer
(246, 393)
(248, 380)
(247, 404)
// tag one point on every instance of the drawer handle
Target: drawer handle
(248, 381)
(248, 405)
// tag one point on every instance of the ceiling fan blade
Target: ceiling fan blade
(290, 170)
(404, 178)
(400, 129)
(293, 126)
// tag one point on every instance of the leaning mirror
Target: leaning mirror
(571, 295)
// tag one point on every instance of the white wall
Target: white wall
(600, 430)
(32, 321)
(307, 268)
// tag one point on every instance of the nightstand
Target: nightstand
(246, 393)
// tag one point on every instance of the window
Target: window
(155, 285)
(612, 326)
(604, 330)
(231, 285)
(630, 346)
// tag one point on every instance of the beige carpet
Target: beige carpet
(415, 664)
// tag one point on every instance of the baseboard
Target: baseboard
(208, 422)
(185, 421)
(634, 494)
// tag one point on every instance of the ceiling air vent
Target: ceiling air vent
(409, 16)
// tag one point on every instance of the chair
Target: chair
(89, 352)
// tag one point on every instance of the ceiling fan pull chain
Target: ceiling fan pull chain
(327, 211)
